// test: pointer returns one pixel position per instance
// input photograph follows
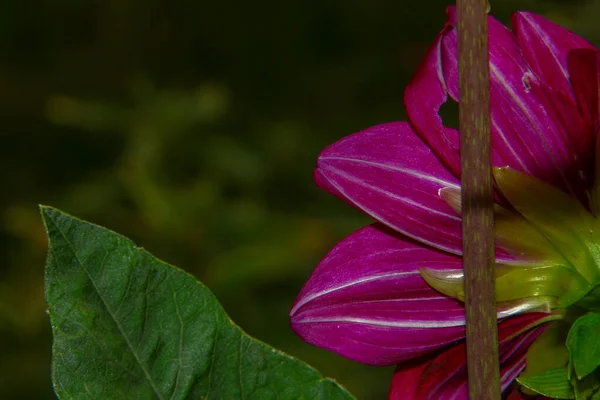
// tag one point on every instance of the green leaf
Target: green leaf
(552, 383)
(583, 345)
(128, 326)
(590, 300)
(586, 388)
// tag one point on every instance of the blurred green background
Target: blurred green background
(192, 127)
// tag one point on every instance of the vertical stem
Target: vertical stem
(477, 200)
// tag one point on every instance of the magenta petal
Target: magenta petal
(367, 301)
(444, 375)
(423, 97)
(527, 133)
(584, 67)
(545, 46)
(390, 174)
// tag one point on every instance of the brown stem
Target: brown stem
(477, 201)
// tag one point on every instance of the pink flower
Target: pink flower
(368, 300)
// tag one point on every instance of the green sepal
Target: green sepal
(571, 229)
(584, 346)
(448, 282)
(522, 239)
(548, 351)
(513, 233)
(552, 383)
(558, 282)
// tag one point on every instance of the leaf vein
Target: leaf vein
(128, 342)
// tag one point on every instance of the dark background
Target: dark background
(192, 127)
